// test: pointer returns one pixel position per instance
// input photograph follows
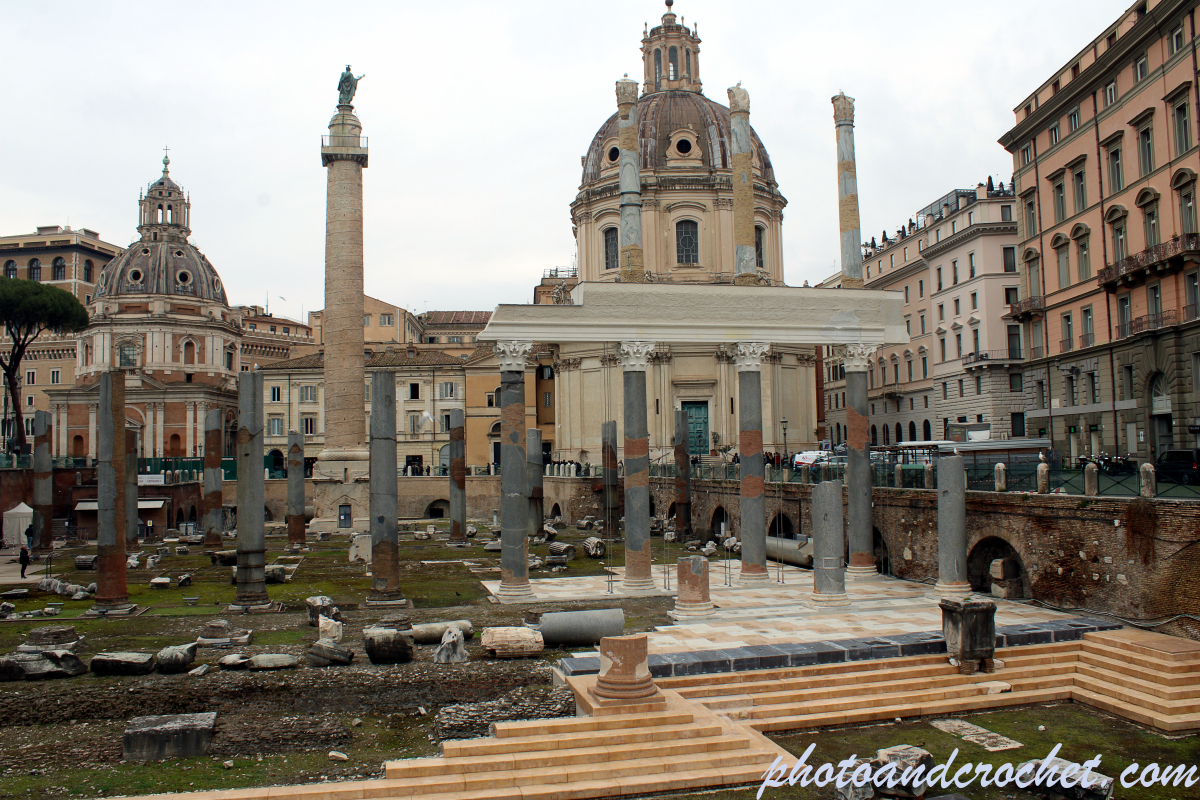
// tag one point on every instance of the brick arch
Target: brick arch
(989, 543)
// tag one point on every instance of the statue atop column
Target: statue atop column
(347, 86)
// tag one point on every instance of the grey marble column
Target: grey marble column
(295, 489)
(458, 477)
(213, 518)
(251, 517)
(608, 474)
(635, 360)
(633, 265)
(748, 358)
(848, 224)
(683, 478)
(860, 528)
(43, 484)
(533, 480)
(132, 517)
(383, 506)
(514, 504)
(829, 545)
(745, 257)
(112, 594)
(952, 528)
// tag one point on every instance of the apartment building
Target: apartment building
(1105, 163)
(955, 262)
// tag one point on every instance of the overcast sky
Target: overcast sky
(477, 114)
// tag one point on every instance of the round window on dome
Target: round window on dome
(613, 154)
(684, 146)
(135, 276)
(145, 251)
(179, 254)
(184, 277)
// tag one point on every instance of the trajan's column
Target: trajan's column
(340, 474)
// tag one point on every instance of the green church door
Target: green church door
(697, 420)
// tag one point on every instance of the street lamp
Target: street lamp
(783, 422)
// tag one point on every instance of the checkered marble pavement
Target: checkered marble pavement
(773, 611)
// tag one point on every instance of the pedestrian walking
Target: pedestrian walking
(23, 560)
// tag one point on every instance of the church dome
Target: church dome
(176, 269)
(162, 262)
(672, 124)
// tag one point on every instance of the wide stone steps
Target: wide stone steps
(1141, 660)
(555, 727)
(1114, 663)
(1183, 690)
(458, 748)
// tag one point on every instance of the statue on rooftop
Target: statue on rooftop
(347, 86)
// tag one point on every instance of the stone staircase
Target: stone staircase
(1153, 680)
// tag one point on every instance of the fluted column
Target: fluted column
(213, 518)
(514, 507)
(848, 224)
(635, 359)
(749, 358)
(633, 264)
(744, 257)
(344, 154)
(860, 529)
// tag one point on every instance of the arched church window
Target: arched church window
(10, 269)
(687, 242)
(160, 213)
(673, 63)
(88, 266)
(687, 61)
(759, 256)
(59, 270)
(170, 214)
(657, 67)
(610, 248)
(189, 353)
(35, 269)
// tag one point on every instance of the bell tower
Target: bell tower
(671, 56)
(165, 210)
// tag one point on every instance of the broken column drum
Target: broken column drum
(514, 505)
(860, 528)
(608, 472)
(624, 669)
(43, 484)
(251, 517)
(111, 591)
(632, 260)
(383, 506)
(683, 478)
(533, 481)
(748, 358)
(213, 514)
(132, 517)
(745, 255)
(693, 599)
(829, 545)
(635, 359)
(295, 488)
(952, 527)
(458, 477)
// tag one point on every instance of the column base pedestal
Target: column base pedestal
(829, 600)
(254, 608)
(952, 589)
(692, 610)
(753, 577)
(638, 585)
(515, 593)
(861, 573)
(402, 602)
(112, 612)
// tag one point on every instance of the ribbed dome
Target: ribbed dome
(163, 268)
(659, 116)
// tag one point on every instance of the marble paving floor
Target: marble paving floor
(771, 611)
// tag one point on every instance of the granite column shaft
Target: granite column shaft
(608, 475)
(859, 515)
(213, 519)
(635, 360)
(251, 517)
(514, 502)
(295, 488)
(533, 480)
(745, 257)
(848, 218)
(952, 527)
(683, 478)
(458, 477)
(632, 258)
(43, 484)
(132, 517)
(383, 504)
(111, 588)
(829, 543)
(752, 502)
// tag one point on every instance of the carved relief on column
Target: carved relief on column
(92, 410)
(750, 355)
(635, 356)
(513, 356)
(857, 357)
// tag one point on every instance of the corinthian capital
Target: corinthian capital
(843, 108)
(749, 355)
(627, 92)
(513, 355)
(739, 99)
(635, 356)
(857, 357)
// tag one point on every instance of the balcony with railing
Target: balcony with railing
(1153, 259)
(1148, 322)
(992, 357)
(1029, 306)
(1066, 345)
(1191, 312)
(1086, 340)
(1037, 352)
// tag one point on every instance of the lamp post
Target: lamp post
(783, 422)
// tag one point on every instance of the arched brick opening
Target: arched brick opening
(782, 527)
(438, 509)
(1010, 578)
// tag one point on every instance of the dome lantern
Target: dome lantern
(165, 210)
(671, 56)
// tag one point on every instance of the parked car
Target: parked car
(1178, 466)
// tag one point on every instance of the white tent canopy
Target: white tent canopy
(16, 520)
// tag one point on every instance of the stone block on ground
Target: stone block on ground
(512, 642)
(122, 663)
(46, 665)
(274, 573)
(224, 558)
(386, 646)
(184, 580)
(178, 658)
(273, 661)
(493, 546)
(594, 547)
(234, 661)
(473, 720)
(562, 550)
(1100, 787)
(220, 633)
(86, 562)
(360, 548)
(452, 649)
(321, 606)
(432, 632)
(170, 736)
(326, 652)
(200, 671)
(160, 583)
(905, 757)
(50, 637)
(329, 629)
(578, 628)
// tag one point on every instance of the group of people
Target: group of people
(573, 467)
(775, 460)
